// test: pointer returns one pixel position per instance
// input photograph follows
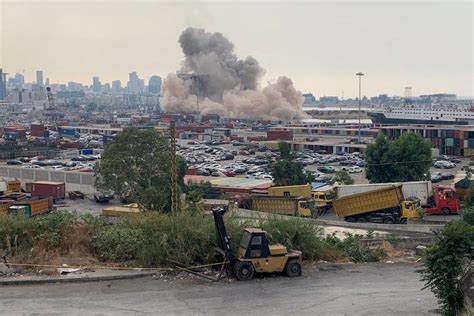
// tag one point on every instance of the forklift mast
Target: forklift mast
(223, 238)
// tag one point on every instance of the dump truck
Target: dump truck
(256, 254)
(437, 200)
(320, 199)
(296, 206)
(415, 190)
(32, 207)
(385, 205)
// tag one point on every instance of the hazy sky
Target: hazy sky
(320, 45)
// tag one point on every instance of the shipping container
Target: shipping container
(37, 206)
(87, 151)
(279, 135)
(67, 132)
(45, 189)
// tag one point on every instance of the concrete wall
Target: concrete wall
(75, 181)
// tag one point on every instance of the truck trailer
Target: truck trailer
(385, 205)
(296, 206)
(420, 190)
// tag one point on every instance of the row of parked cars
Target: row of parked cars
(79, 163)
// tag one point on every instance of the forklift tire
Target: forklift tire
(244, 271)
(445, 211)
(293, 268)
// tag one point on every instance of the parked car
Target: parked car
(354, 169)
(444, 164)
(326, 169)
(455, 160)
(14, 162)
(447, 176)
(436, 177)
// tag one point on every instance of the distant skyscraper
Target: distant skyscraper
(47, 82)
(96, 84)
(116, 86)
(154, 85)
(133, 84)
(20, 79)
(106, 88)
(3, 84)
(39, 77)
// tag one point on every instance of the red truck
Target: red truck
(444, 201)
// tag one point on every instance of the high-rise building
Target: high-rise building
(20, 79)
(39, 77)
(96, 86)
(3, 84)
(116, 86)
(133, 84)
(106, 88)
(47, 82)
(154, 85)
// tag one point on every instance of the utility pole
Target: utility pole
(174, 184)
(360, 100)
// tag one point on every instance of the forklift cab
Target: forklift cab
(254, 244)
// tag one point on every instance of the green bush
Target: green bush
(444, 264)
(118, 242)
(298, 234)
(352, 248)
(468, 215)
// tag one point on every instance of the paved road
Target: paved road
(367, 289)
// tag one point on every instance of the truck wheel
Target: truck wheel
(445, 211)
(293, 268)
(403, 221)
(244, 271)
(388, 220)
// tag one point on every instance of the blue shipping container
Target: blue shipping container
(46, 133)
(86, 152)
(12, 136)
(66, 132)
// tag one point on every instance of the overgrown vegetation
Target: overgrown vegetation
(406, 159)
(153, 239)
(446, 262)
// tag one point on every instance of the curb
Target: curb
(76, 279)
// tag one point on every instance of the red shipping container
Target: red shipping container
(37, 130)
(46, 189)
(457, 133)
(280, 135)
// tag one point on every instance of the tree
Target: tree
(137, 164)
(205, 189)
(285, 171)
(341, 177)
(444, 265)
(193, 198)
(406, 159)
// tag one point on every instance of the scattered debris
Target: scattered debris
(63, 271)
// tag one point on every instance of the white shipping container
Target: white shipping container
(422, 190)
(3, 186)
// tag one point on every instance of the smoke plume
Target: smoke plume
(232, 84)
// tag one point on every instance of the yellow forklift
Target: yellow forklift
(255, 254)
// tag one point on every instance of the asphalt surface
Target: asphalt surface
(366, 289)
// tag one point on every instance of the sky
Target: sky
(320, 45)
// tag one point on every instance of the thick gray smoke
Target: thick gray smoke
(231, 83)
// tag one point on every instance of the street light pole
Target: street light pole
(360, 80)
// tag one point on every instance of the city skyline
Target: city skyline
(427, 46)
